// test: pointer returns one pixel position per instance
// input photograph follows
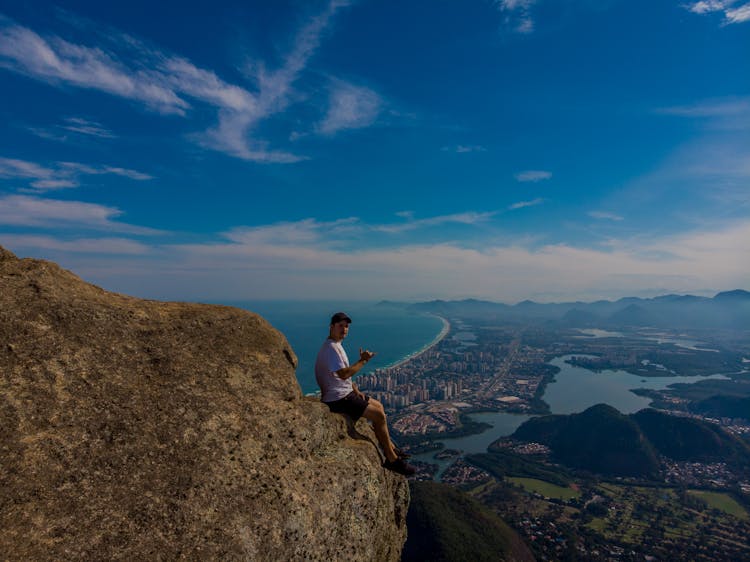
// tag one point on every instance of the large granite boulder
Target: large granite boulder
(133, 429)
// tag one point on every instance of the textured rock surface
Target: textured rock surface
(134, 429)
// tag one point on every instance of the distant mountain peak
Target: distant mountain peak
(736, 294)
(678, 298)
(391, 303)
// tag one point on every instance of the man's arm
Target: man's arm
(351, 370)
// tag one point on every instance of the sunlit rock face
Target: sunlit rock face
(133, 429)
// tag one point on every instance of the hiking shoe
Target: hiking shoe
(400, 466)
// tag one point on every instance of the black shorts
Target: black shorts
(352, 405)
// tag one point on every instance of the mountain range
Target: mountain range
(725, 310)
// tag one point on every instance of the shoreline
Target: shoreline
(443, 332)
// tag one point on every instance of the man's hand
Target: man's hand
(358, 392)
(351, 370)
(365, 355)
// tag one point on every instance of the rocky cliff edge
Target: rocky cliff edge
(133, 429)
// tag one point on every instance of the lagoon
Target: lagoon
(575, 388)
(652, 335)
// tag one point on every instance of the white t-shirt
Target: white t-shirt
(332, 358)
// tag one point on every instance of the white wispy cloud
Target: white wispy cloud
(40, 178)
(170, 84)
(464, 148)
(710, 108)
(274, 91)
(706, 6)
(526, 25)
(303, 232)
(58, 61)
(125, 172)
(532, 176)
(468, 218)
(522, 204)
(275, 88)
(108, 246)
(604, 215)
(728, 113)
(28, 211)
(733, 13)
(48, 185)
(515, 4)
(61, 175)
(350, 107)
(14, 168)
(518, 14)
(86, 127)
(347, 230)
(48, 133)
(76, 125)
(738, 15)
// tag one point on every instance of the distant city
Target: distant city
(491, 360)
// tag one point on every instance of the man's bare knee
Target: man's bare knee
(375, 403)
(375, 412)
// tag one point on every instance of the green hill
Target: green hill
(688, 439)
(446, 525)
(721, 406)
(600, 439)
(603, 440)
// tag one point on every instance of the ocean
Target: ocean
(390, 331)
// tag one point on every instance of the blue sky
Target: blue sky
(362, 150)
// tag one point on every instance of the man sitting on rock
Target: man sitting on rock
(334, 374)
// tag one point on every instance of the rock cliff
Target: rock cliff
(133, 429)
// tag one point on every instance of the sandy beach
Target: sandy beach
(443, 332)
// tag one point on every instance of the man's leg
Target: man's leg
(376, 414)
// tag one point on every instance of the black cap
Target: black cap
(338, 317)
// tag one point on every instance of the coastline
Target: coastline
(443, 332)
